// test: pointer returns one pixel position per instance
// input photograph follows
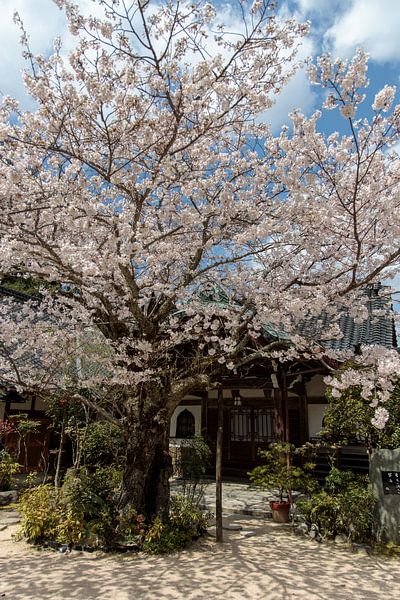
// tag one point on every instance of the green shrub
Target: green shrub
(194, 458)
(131, 526)
(102, 444)
(40, 513)
(44, 518)
(89, 499)
(345, 506)
(8, 468)
(278, 471)
(71, 528)
(186, 522)
(81, 512)
(76, 514)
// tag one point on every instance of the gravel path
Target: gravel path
(263, 560)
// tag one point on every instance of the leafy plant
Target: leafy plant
(131, 526)
(82, 511)
(102, 444)
(278, 471)
(344, 506)
(186, 522)
(24, 428)
(8, 468)
(348, 420)
(194, 460)
(40, 513)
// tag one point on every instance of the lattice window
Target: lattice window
(248, 424)
(264, 425)
(241, 424)
(185, 424)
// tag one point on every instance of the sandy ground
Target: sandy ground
(272, 564)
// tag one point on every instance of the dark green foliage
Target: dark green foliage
(347, 420)
(8, 468)
(88, 492)
(186, 522)
(194, 459)
(101, 444)
(344, 506)
(84, 512)
(28, 285)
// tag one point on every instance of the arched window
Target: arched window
(185, 424)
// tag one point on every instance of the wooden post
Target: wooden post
(285, 407)
(218, 468)
(204, 415)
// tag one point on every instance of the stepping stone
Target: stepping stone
(232, 527)
(8, 497)
(248, 534)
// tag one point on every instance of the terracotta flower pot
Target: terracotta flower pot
(280, 511)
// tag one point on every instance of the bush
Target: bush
(82, 511)
(186, 522)
(102, 444)
(40, 513)
(345, 506)
(278, 471)
(8, 468)
(89, 499)
(194, 459)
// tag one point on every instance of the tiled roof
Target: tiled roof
(377, 329)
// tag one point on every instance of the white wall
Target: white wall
(315, 416)
(196, 412)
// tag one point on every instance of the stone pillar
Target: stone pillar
(384, 472)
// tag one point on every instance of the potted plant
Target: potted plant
(278, 473)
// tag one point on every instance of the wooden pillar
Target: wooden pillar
(277, 396)
(204, 416)
(305, 434)
(218, 467)
(285, 407)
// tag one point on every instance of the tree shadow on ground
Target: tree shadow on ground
(273, 564)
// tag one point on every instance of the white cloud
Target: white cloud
(374, 26)
(324, 8)
(297, 94)
(43, 22)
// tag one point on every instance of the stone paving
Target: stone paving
(237, 498)
(8, 516)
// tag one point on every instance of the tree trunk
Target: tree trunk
(148, 467)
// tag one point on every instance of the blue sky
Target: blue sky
(337, 26)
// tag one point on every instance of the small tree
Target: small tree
(278, 472)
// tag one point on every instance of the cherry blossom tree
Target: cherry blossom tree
(148, 183)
